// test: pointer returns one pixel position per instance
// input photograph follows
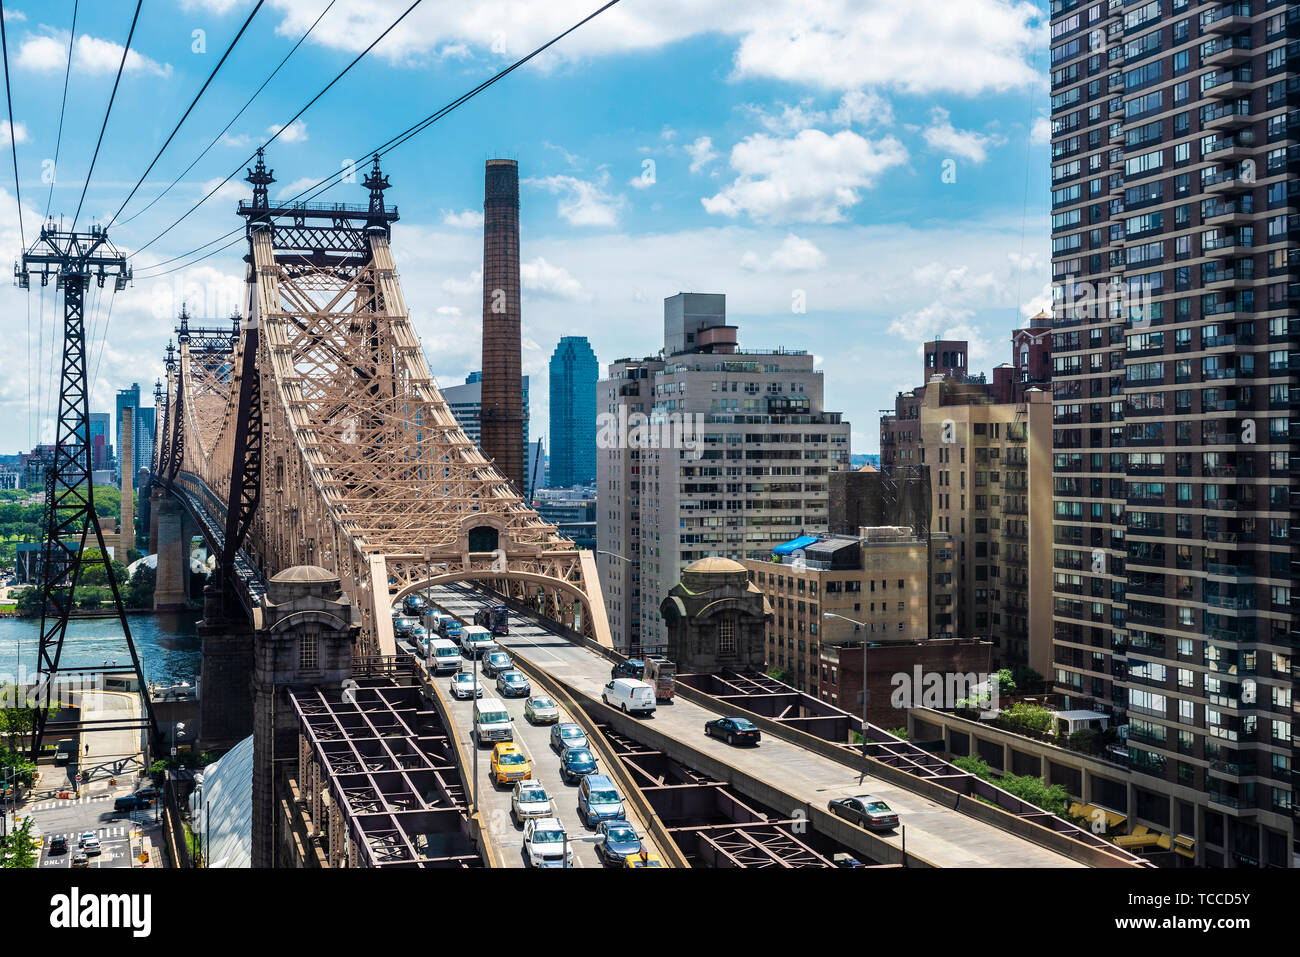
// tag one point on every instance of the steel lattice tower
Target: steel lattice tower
(74, 258)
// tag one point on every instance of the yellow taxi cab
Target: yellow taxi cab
(643, 859)
(509, 764)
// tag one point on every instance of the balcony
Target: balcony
(1229, 87)
(1230, 279)
(1227, 183)
(1227, 19)
(1232, 149)
(1230, 116)
(1223, 247)
(1227, 51)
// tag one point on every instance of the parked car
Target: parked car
(629, 695)
(530, 800)
(545, 844)
(598, 800)
(733, 730)
(539, 709)
(463, 686)
(495, 662)
(576, 763)
(58, 845)
(628, 668)
(509, 764)
(513, 684)
(868, 811)
(618, 841)
(567, 735)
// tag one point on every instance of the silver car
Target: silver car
(462, 686)
(530, 800)
(567, 735)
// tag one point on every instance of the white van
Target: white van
(442, 655)
(491, 722)
(476, 639)
(432, 621)
(630, 695)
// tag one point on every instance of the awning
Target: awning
(1141, 837)
(1185, 846)
(1090, 811)
(803, 541)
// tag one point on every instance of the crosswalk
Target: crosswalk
(103, 833)
(69, 802)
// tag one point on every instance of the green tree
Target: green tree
(1006, 683)
(138, 593)
(1027, 719)
(19, 849)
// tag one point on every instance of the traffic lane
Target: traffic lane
(934, 832)
(494, 802)
(534, 741)
(70, 819)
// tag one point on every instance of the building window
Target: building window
(727, 637)
(307, 653)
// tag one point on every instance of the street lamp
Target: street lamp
(860, 624)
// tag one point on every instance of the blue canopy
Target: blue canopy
(803, 541)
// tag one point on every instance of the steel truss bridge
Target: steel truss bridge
(310, 431)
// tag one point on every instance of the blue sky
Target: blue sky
(775, 151)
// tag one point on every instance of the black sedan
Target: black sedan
(733, 730)
(867, 811)
(58, 845)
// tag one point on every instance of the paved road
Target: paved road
(533, 740)
(934, 832)
(111, 754)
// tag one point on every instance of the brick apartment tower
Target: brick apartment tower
(127, 526)
(502, 424)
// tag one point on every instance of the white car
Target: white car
(530, 800)
(91, 845)
(545, 845)
(462, 686)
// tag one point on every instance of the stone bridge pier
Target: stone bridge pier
(171, 529)
(226, 672)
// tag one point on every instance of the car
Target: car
(618, 841)
(576, 763)
(463, 686)
(530, 800)
(495, 662)
(513, 684)
(80, 859)
(629, 695)
(147, 794)
(91, 846)
(129, 803)
(868, 811)
(644, 859)
(546, 844)
(509, 764)
(539, 709)
(733, 730)
(629, 668)
(567, 735)
(58, 845)
(86, 836)
(598, 800)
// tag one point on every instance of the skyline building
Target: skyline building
(1173, 243)
(573, 375)
(731, 460)
(466, 403)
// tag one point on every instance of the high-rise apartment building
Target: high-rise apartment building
(101, 450)
(1174, 201)
(573, 375)
(731, 461)
(985, 449)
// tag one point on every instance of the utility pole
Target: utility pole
(72, 259)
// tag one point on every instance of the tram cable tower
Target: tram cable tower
(73, 259)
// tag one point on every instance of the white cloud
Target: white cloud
(448, 310)
(583, 202)
(466, 219)
(295, 187)
(790, 119)
(19, 133)
(1041, 132)
(795, 254)
(812, 178)
(240, 140)
(701, 153)
(943, 137)
(90, 55)
(219, 7)
(862, 108)
(922, 46)
(15, 16)
(295, 132)
(547, 279)
(231, 190)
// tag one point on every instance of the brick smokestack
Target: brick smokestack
(502, 417)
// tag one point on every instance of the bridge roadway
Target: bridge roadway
(936, 833)
(533, 740)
